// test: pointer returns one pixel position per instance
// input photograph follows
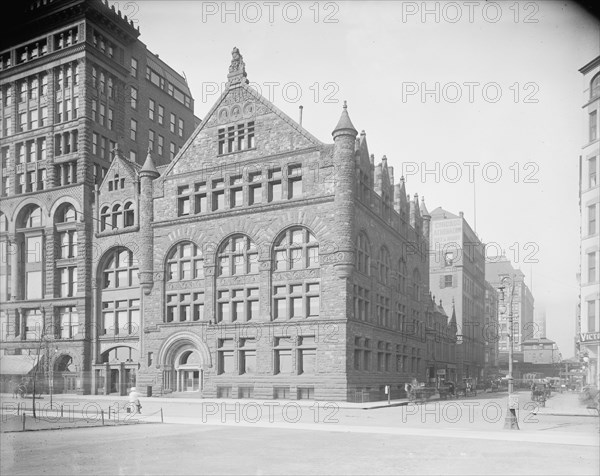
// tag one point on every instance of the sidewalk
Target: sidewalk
(45, 399)
(565, 404)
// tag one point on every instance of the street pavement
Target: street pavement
(463, 436)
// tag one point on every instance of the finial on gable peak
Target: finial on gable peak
(237, 68)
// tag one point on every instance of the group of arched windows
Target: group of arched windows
(28, 279)
(117, 216)
(236, 291)
(384, 268)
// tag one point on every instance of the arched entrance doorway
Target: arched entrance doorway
(184, 359)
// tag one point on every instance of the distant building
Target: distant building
(491, 330)
(540, 351)
(539, 321)
(540, 357)
(589, 206)
(522, 308)
(456, 275)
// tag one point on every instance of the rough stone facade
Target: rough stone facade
(280, 266)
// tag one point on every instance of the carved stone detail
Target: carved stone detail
(296, 275)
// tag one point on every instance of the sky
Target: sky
(477, 104)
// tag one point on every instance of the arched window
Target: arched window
(416, 282)
(33, 218)
(66, 233)
(120, 270)
(66, 214)
(185, 262)
(237, 301)
(31, 241)
(384, 265)
(237, 256)
(296, 248)
(129, 214)
(5, 261)
(117, 217)
(595, 86)
(104, 218)
(402, 276)
(3, 223)
(363, 254)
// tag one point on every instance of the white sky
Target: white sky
(378, 50)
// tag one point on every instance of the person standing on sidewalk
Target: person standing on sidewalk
(134, 400)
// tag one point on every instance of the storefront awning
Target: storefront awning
(17, 364)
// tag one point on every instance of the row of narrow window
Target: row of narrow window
(248, 188)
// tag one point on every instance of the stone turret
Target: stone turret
(415, 214)
(148, 174)
(344, 138)
(426, 218)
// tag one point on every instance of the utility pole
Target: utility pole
(511, 421)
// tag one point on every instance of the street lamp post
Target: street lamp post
(511, 421)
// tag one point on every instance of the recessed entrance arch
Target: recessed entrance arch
(184, 358)
(64, 375)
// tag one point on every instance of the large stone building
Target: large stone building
(75, 83)
(273, 265)
(522, 307)
(589, 205)
(456, 274)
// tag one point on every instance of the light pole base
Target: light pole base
(511, 422)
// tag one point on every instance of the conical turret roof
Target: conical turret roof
(149, 167)
(345, 124)
(423, 208)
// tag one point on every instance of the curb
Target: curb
(559, 413)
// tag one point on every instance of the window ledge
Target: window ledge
(118, 231)
(236, 152)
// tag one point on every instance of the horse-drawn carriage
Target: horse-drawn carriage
(466, 388)
(419, 393)
(540, 393)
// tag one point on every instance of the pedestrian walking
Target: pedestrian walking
(134, 401)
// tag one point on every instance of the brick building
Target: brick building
(491, 331)
(456, 271)
(271, 264)
(588, 336)
(75, 84)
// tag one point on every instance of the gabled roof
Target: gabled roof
(439, 213)
(238, 86)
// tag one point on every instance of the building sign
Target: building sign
(441, 372)
(589, 336)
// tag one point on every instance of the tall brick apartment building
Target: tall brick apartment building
(271, 265)
(76, 83)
